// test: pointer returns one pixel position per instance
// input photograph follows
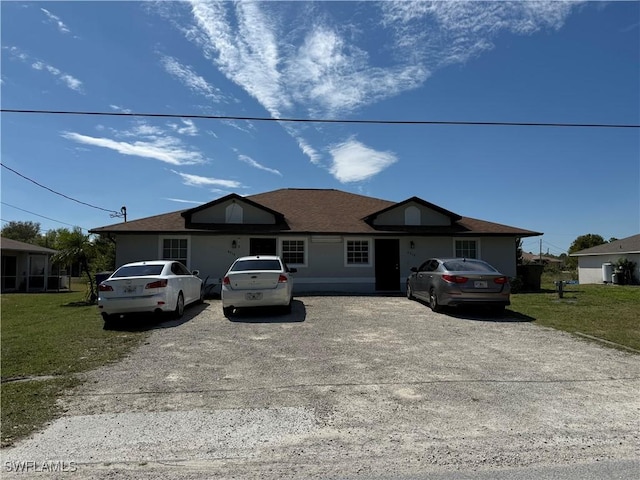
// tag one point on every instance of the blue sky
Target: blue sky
(546, 62)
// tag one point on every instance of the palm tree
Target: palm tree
(75, 247)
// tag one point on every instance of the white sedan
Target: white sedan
(257, 281)
(156, 286)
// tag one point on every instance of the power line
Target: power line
(115, 213)
(323, 120)
(38, 215)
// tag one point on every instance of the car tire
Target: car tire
(109, 321)
(433, 301)
(179, 310)
(287, 308)
(227, 311)
(410, 292)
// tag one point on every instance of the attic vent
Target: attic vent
(233, 213)
(412, 216)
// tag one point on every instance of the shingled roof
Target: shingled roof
(15, 245)
(318, 211)
(623, 246)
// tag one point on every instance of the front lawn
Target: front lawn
(47, 338)
(608, 312)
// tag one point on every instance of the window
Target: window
(357, 252)
(175, 249)
(466, 248)
(293, 252)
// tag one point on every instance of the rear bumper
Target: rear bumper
(151, 303)
(279, 296)
(494, 300)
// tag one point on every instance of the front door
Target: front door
(387, 258)
(262, 246)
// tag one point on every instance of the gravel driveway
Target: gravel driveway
(346, 387)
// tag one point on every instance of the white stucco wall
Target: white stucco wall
(325, 268)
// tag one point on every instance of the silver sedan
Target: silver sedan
(458, 281)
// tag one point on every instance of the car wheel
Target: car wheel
(287, 308)
(433, 301)
(109, 321)
(227, 311)
(179, 311)
(410, 292)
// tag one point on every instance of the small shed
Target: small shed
(26, 267)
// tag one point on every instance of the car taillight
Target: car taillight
(283, 279)
(105, 288)
(157, 284)
(226, 281)
(501, 280)
(454, 279)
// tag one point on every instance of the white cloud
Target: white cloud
(190, 79)
(355, 162)
(250, 161)
(188, 127)
(179, 200)
(56, 21)
(199, 181)
(166, 149)
(119, 109)
(71, 82)
(309, 151)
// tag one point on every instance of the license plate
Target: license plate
(480, 284)
(129, 289)
(253, 296)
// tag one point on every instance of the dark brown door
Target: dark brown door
(262, 246)
(387, 258)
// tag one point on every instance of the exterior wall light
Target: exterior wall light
(412, 245)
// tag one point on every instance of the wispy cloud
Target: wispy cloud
(355, 162)
(199, 181)
(118, 108)
(187, 128)
(165, 149)
(191, 79)
(54, 19)
(324, 66)
(69, 80)
(179, 200)
(250, 161)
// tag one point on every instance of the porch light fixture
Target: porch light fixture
(412, 245)
(234, 244)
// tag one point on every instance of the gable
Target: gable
(413, 212)
(234, 212)
(231, 210)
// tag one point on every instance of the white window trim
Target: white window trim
(306, 251)
(474, 239)
(162, 238)
(370, 249)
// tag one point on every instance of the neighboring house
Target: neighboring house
(591, 260)
(25, 267)
(338, 241)
(543, 259)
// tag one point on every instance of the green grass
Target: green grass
(46, 340)
(608, 312)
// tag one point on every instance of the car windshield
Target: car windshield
(258, 264)
(138, 271)
(467, 266)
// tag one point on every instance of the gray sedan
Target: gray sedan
(458, 281)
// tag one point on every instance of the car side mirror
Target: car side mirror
(195, 272)
(414, 269)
